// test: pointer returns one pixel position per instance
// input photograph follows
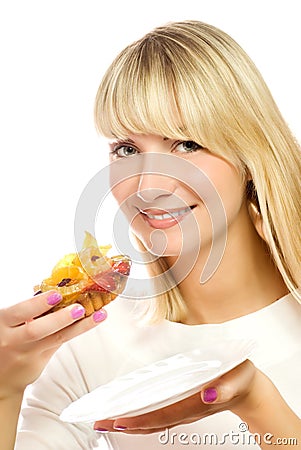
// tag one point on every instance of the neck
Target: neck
(245, 281)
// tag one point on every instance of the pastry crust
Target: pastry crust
(89, 278)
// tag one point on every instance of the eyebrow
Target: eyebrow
(121, 140)
(132, 142)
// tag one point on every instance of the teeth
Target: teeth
(168, 215)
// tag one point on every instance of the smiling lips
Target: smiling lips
(158, 218)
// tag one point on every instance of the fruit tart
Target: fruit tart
(89, 277)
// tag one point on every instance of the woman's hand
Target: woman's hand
(223, 393)
(27, 341)
(244, 390)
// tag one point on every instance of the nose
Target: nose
(153, 186)
(154, 182)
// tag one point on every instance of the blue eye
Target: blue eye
(188, 147)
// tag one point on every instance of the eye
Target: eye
(187, 147)
(122, 151)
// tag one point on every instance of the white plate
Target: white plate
(158, 384)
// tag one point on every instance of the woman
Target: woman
(187, 94)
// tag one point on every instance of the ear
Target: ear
(257, 220)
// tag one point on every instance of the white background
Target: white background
(53, 54)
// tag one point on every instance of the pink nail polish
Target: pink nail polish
(120, 428)
(210, 395)
(101, 430)
(54, 298)
(100, 315)
(77, 312)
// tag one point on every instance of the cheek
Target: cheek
(228, 183)
(118, 194)
(123, 191)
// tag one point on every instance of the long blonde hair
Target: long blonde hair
(189, 80)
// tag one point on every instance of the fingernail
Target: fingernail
(54, 298)
(100, 315)
(77, 312)
(210, 395)
(101, 430)
(120, 428)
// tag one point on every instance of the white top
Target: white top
(121, 344)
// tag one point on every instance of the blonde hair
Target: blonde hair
(189, 80)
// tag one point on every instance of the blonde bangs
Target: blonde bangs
(137, 98)
(140, 94)
(162, 86)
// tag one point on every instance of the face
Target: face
(168, 204)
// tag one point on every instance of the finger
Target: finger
(75, 329)
(105, 426)
(166, 417)
(233, 384)
(143, 431)
(138, 431)
(27, 310)
(41, 327)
